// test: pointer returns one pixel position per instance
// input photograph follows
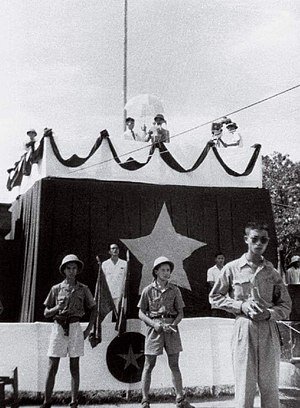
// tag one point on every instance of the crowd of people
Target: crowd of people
(221, 135)
(248, 288)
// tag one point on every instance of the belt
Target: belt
(72, 319)
(163, 316)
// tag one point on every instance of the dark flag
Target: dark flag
(122, 312)
(104, 304)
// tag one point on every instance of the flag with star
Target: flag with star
(125, 357)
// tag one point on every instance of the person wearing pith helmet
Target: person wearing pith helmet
(32, 135)
(293, 271)
(161, 309)
(31, 132)
(66, 304)
(160, 260)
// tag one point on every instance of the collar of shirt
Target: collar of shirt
(64, 284)
(154, 285)
(118, 261)
(243, 261)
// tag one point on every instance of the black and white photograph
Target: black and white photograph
(150, 203)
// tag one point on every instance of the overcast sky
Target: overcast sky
(62, 68)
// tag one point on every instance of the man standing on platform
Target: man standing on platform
(158, 132)
(131, 134)
(115, 270)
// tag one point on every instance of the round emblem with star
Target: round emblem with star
(125, 357)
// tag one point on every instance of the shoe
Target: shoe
(74, 404)
(145, 404)
(183, 403)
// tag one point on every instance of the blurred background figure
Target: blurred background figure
(143, 108)
(293, 271)
(231, 138)
(159, 132)
(32, 136)
(227, 137)
(212, 275)
(214, 272)
(131, 134)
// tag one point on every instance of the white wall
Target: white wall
(205, 361)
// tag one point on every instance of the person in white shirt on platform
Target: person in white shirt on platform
(213, 274)
(231, 138)
(115, 270)
(131, 134)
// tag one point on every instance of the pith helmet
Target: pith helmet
(161, 260)
(71, 258)
(295, 258)
(31, 131)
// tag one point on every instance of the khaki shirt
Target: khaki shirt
(234, 285)
(74, 300)
(155, 302)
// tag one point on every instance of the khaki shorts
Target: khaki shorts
(155, 342)
(63, 346)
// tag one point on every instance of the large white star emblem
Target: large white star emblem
(131, 358)
(163, 241)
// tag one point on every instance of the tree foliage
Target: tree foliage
(281, 176)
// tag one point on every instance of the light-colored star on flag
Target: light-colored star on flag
(163, 241)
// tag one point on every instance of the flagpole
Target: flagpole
(125, 64)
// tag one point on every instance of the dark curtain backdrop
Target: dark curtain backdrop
(63, 216)
(10, 280)
(26, 229)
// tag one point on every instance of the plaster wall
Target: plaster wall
(205, 361)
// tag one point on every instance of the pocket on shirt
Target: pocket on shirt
(266, 289)
(78, 303)
(242, 288)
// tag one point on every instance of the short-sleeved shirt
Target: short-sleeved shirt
(115, 274)
(75, 300)
(212, 276)
(156, 302)
(235, 284)
(213, 273)
(293, 276)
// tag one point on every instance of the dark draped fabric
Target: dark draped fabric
(10, 280)
(26, 228)
(61, 216)
(24, 165)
